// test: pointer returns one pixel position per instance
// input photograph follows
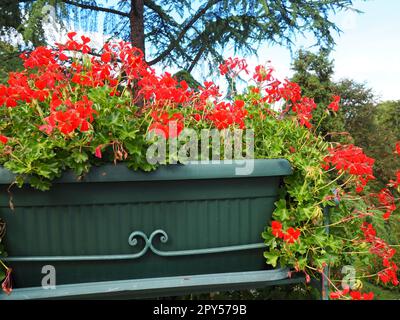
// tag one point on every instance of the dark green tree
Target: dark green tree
(184, 32)
(387, 133)
(359, 107)
(314, 72)
(13, 22)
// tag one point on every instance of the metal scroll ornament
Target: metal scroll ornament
(148, 245)
(164, 239)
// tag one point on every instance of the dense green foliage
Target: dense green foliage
(371, 125)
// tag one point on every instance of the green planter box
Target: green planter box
(117, 224)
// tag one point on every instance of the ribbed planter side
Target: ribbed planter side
(118, 224)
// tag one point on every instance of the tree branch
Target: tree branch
(95, 8)
(160, 12)
(196, 59)
(185, 29)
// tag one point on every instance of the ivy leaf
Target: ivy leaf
(40, 184)
(281, 213)
(272, 257)
(299, 247)
(79, 156)
(269, 239)
(48, 170)
(305, 213)
(302, 263)
(320, 237)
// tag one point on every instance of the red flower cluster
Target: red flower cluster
(389, 274)
(75, 46)
(369, 231)
(262, 74)
(273, 91)
(170, 126)
(233, 66)
(77, 115)
(224, 115)
(353, 295)
(387, 200)
(47, 78)
(304, 109)
(352, 160)
(290, 236)
(291, 93)
(276, 90)
(277, 229)
(208, 91)
(164, 90)
(382, 250)
(398, 148)
(334, 105)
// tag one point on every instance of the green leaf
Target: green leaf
(272, 257)
(79, 156)
(269, 239)
(302, 263)
(48, 170)
(281, 213)
(40, 184)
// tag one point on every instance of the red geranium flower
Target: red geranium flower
(291, 235)
(106, 57)
(171, 126)
(334, 106)
(277, 229)
(235, 66)
(3, 139)
(352, 160)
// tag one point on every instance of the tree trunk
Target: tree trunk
(137, 24)
(137, 40)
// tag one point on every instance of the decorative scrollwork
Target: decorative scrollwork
(148, 241)
(148, 244)
(164, 239)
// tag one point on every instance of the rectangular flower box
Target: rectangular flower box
(116, 224)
